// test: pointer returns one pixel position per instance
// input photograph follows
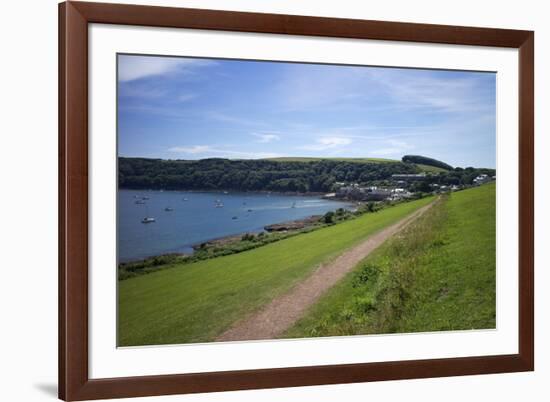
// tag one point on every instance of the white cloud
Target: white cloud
(132, 68)
(195, 149)
(264, 138)
(224, 118)
(206, 151)
(395, 148)
(325, 143)
(334, 141)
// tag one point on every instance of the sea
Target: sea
(186, 218)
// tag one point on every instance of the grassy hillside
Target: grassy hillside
(196, 302)
(438, 275)
(430, 169)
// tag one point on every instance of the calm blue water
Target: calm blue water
(197, 219)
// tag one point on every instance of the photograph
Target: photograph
(267, 199)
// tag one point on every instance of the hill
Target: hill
(282, 175)
(294, 174)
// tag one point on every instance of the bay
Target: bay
(184, 218)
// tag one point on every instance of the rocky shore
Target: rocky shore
(293, 225)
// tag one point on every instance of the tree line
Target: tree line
(251, 174)
(268, 175)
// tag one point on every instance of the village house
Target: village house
(372, 193)
(481, 179)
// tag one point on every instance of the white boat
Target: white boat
(168, 209)
(139, 202)
(147, 218)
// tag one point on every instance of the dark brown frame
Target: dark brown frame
(74, 17)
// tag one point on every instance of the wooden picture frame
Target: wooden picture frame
(74, 381)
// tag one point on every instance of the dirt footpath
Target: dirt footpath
(282, 312)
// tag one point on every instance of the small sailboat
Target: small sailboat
(147, 219)
(293, 205)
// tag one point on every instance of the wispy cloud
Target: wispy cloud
(207, 151)
(132, 68)
(242, 121)
(265, 138)
(194, 149)
(416, 89)
(324, 143)
(394, 148)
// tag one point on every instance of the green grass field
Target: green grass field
(439, 274)
(430, 169)
(196, 302)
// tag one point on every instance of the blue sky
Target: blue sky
(184, 108)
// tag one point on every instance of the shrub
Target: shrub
(329, 217)
(247, 237)
(369, 272)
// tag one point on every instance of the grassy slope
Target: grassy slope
(439, 275)
(196, 302)
(430, 169)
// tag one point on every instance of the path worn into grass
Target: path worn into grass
(282, 312)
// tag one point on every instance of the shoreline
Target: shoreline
(280, 227)
(284, 226)
(228, 192)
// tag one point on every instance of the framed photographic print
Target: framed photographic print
(259, 200)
